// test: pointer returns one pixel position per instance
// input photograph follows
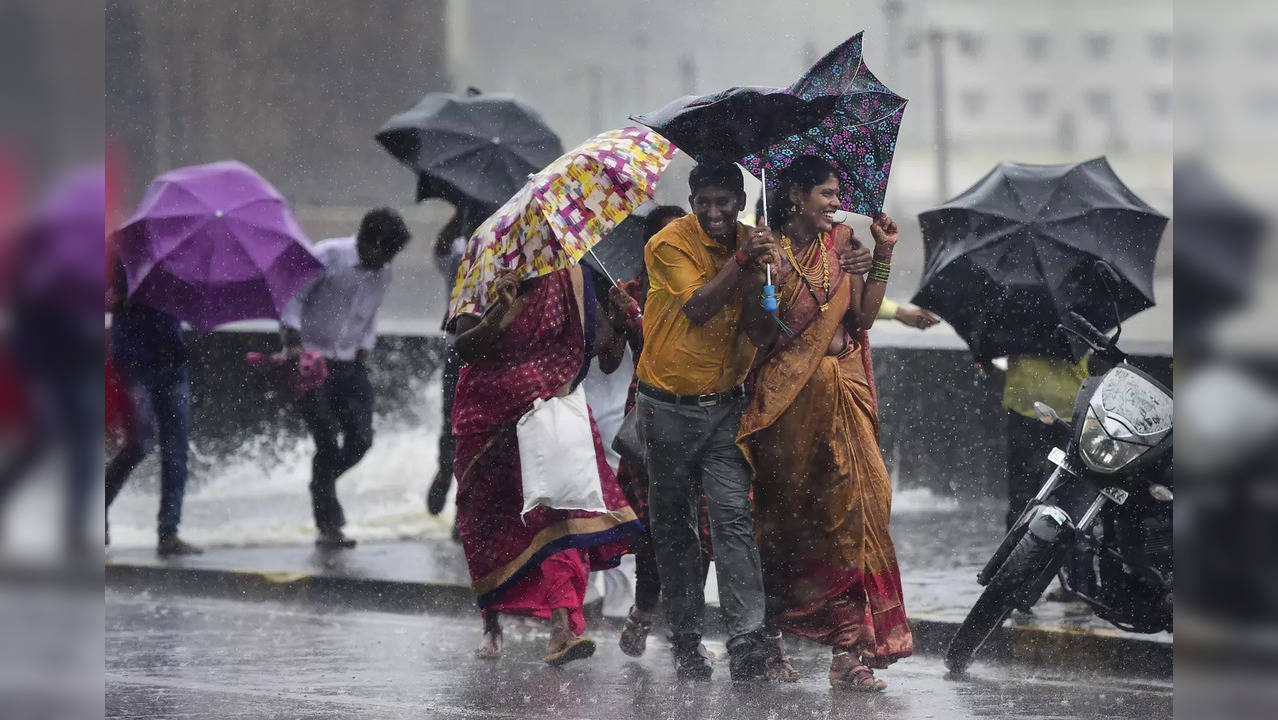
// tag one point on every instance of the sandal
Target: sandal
(634, 635)
(778, 667)
(849, 674)
(579, 649)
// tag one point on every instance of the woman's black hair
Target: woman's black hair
(805, 173)
(658, 218)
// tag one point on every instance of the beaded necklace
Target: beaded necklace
(814, 268)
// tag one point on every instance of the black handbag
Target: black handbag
(628, 443)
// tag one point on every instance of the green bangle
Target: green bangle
(880, 271)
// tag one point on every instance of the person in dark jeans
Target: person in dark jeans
(336, 317)
(450, 246)
(148, 351)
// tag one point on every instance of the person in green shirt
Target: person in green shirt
(1028, 380)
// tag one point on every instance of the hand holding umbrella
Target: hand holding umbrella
(770, 303)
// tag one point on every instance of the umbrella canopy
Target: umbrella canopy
(858, 136)
(211, 244)
(477, 148)
(1218, 245)
(561, 212)
(1014, 253)
(620, 253)
(733, 123)
(63, 245)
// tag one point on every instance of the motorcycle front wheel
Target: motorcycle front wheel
(1028, 568)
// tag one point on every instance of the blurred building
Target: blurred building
(295, 89)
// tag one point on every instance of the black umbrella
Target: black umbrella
(1218, 242)
(477, 148)
(619, 255)
(736, 122)
(1014, 253)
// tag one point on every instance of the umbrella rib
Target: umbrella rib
(1042, 271)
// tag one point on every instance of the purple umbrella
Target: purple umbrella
(215, 243)
(63, 245)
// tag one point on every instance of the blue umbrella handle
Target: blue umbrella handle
(770, 298)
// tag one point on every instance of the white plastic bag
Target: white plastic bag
(557, 455)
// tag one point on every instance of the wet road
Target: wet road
(182, 657)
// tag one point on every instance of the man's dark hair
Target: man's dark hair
(384, 228)
(658, 218)
(726, 176)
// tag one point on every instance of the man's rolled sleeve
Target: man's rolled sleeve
(676, 271)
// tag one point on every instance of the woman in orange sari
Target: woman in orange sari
(822, 494)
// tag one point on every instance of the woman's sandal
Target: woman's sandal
(634, 635)
(853, 675)
(778, 668)
(579, 649)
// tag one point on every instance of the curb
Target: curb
(1099, 650)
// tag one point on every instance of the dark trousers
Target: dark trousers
(341, 406)
(1028, 442)
(161, 406)
(692, 449)
(648, 579)
(448, 383)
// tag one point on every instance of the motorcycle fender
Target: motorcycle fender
(1050, 524)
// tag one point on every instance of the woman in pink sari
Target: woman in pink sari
(529, 345)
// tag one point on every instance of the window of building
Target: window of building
(1188, 47)
(970, 44)
(1036, 102)
(973, 102)
(1160, 46)
(1099, 102)
(1037, 46)
(1097, 46)
(1160, 102)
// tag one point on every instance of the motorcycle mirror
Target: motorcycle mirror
(1046, 413)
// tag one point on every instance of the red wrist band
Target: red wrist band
(741, 258)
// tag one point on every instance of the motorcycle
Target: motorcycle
(1102, 520)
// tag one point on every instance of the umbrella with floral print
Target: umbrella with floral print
(858, 137)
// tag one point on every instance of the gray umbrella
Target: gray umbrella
(477, 148)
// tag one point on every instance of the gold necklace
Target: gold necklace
(814, 269)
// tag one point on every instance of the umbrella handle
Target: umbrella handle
(611, 279)
(763, 195)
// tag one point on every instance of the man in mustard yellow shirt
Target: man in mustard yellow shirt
(702, 321)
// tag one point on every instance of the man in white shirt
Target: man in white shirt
(336, 316)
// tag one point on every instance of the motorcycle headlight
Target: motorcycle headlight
(1101, 451)
(1127, 415)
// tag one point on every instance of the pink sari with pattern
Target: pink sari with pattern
(532, 564)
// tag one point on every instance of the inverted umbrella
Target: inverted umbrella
(1011, 256)
(858, 136)
(733, 123)
(561, 212)
(477, 148)
(211, 244)
(1218, 244)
